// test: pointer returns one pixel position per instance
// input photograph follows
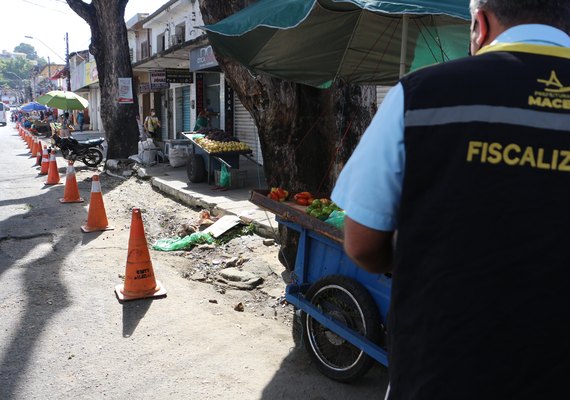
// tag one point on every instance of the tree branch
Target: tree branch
(122, 6)
(82, 9)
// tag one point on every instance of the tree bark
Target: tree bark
(110, 47)
(306, 134)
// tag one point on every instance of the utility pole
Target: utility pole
(67, 62)
(49, 74)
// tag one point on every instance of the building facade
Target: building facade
(175, 73)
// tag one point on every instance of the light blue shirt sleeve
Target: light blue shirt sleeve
(369, 187)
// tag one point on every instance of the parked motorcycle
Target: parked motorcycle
(89, 152)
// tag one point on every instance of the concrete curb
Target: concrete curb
(263, 221)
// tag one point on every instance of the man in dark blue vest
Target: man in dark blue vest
(469, 161)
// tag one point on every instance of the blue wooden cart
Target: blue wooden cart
(343, 308)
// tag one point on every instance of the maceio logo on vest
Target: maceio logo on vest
(554, 95)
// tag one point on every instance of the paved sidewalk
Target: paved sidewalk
(174, 182)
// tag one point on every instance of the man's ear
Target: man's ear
(482, 28)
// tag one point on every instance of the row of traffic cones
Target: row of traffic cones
(140, 281)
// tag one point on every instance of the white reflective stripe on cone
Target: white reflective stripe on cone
(70, 169)
(96, 185)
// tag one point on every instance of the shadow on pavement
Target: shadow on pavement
(133, 312)
(298, 378)
(34, 240)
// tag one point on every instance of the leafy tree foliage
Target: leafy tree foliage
(28, 50)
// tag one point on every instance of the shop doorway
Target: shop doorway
(208, 96)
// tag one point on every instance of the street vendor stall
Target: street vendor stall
(211, 150)
(343, 307)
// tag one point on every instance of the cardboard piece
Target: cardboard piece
(223, 225)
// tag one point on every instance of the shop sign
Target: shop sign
(144, 87)
(202, 58)
(199, 92)
(158, 80)
(125, 91)
(178, 75)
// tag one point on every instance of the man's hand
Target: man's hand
(370, 249)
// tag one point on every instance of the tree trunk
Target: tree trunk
(306, 134)
(110, 47)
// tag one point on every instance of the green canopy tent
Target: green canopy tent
(360, 41)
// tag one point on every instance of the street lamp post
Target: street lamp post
(49, 48)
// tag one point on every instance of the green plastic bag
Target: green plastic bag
(225, 176)
(336, 218)
(184, 243)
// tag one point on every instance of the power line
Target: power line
(47, 8)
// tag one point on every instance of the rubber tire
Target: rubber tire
(195, 168)
(93, 157)
(368, 317)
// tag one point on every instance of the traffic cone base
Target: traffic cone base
(79, 200)
(158, 291)
(140, 282)
(87, 229)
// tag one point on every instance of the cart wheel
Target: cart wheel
(195, 168)
(348, 302)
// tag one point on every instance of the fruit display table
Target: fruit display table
(207, 155)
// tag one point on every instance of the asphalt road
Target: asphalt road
(64, 335)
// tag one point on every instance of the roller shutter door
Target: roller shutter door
(179, 110)
(246, 131)
(381, 92)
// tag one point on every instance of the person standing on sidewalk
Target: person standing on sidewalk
(80, 120)
(469, 162)
(152, 126)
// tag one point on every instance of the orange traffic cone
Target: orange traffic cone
(45, 163)
(53, 174)
(139, 275)
(39, 151)
(34, 148)
(71, 191)
(96, 217)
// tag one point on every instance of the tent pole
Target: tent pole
(404, 45)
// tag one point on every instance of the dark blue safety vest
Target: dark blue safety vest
(481, 284)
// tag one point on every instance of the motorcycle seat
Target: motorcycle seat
(93, 141)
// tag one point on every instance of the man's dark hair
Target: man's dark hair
(515, 12)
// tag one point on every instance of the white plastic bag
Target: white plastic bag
(177, 157)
